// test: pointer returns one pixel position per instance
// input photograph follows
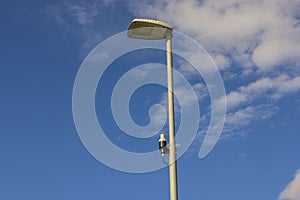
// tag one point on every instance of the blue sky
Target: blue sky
(255, 46)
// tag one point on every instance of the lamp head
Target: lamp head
(149, 29)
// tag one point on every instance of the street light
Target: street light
(148, 29)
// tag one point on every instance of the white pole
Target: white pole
(172, 153)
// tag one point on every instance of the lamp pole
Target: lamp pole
(148, 29)
(172, 152)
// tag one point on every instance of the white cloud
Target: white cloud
(273, 88)
(292, 85)
(244, 104)
(292, 190)
(83, 13)
(221, 61)
(243, 117)
(200, 90)
(250, 114)
(234, 99)
(261, 32)
(270, 89)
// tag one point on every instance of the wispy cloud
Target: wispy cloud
(292, 190)
(79, 20)
(245, 107)
(249, 104)
(242, 117)
(269, 89)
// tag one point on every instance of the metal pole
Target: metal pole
(172, 153)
